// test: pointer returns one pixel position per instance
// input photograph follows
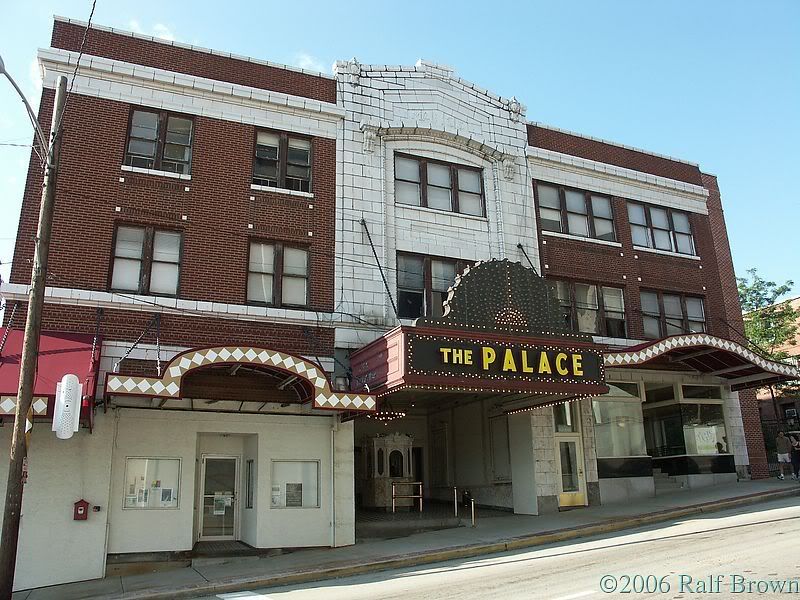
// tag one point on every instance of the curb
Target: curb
(468, 551)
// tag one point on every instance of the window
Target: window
(250, 484)
(590, 308)
(575, 212)
(282, 161)
(618, 422)
(295, 484)
(691, 422)
(152, 482)
(277, 274)
(146, 261)
(423, 283)
(439, 185)
(160, 140)
(660, 228)
(666, 314)
(565, 417)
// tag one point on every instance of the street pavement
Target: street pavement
(736, 553)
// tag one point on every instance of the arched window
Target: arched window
(380, 461)
(396, 464)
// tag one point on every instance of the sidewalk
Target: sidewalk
(215, 576)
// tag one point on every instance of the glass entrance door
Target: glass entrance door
(219, 481)
(569, 453)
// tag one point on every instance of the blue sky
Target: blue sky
(714, 82)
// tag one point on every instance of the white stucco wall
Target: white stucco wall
(249, 516)
(175, 434)
(523, 467)
(53, 548)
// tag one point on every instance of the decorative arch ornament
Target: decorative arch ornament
(503, 295)
(169, 384)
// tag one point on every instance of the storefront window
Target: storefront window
(704, 429)
(295, 484)
(692, 423)
(152, 482)
(618, 428)
(663, 430)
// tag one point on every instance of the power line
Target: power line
(77, 65)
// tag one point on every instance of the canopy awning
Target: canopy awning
(425, 359)
(59, 354)
(707, 354)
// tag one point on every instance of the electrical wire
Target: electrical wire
(77, 65)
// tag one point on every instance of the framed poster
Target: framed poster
(294, 495)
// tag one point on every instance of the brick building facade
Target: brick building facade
(233, 237)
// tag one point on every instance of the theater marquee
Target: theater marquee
(454, 357)
(501, 331)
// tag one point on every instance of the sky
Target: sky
(715, 82)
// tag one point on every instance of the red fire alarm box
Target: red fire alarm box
(81, 510)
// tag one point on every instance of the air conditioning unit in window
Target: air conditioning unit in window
(791, 413)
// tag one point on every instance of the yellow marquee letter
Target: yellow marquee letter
(561, 358)
(544, 364)
(488, 355)
(508, 361)
(577, 367)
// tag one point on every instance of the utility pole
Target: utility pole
(30, 351)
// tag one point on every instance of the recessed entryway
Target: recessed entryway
(219, 481)
(569, 455)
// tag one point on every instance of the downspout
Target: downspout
(334, 429)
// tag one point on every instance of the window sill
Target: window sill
(437, 211)
(666, 253)
(568, 236)
(277, 190)
(180, 176)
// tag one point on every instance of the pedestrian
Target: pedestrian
(783, 447)
(795, 441)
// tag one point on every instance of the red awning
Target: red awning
(59, 354)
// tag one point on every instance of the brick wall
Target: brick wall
(732, 314)
(574, 145)
(182, 330)
(624, 267)
(164, 55)
(218, 207)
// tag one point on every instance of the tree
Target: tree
(769, 324)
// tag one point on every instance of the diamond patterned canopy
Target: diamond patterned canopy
(708, 354)
(169, 385)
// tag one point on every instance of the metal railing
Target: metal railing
(395, 495)
(455, 505)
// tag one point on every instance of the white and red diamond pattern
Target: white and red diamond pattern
(635, 357)
(169, 385)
